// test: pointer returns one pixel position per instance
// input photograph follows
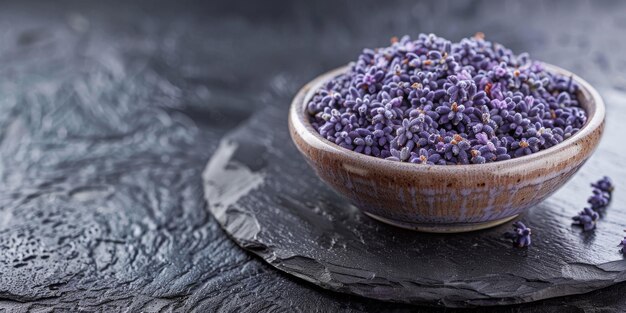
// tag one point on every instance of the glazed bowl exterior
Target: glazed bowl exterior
(446, 198)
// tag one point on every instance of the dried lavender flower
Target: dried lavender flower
(433, 101)
(605, 184)
(602, 193)
(599, 200)
(587, 219)
(520, 236)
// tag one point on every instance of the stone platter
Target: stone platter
(271, 203)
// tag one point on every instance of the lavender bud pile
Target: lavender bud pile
(433, 101)
(520, 236)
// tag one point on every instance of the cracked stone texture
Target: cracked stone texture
(109, 113)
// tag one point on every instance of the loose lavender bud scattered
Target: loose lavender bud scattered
(587, 219)
(520, 236)
(602, 193)
(432, 101)
(605, 185)
(599, 200)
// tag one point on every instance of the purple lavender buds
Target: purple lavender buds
(520, 236)
(604, 185)
(432, 101)
(599, 200)
(602, 193)
(587, 219)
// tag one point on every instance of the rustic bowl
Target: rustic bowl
(446, 198)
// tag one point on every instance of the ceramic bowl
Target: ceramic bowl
(446, 198)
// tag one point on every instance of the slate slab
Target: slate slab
(271, 203)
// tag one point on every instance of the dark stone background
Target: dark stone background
(109, 112)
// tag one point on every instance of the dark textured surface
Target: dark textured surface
(110, 111)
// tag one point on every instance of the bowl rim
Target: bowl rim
(301, 124)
